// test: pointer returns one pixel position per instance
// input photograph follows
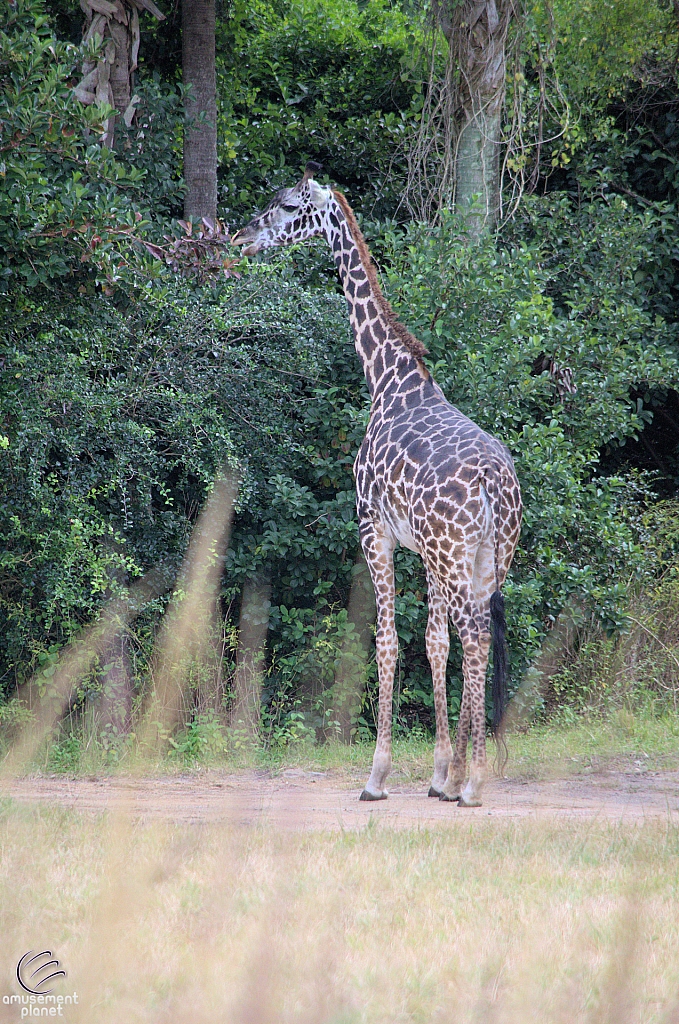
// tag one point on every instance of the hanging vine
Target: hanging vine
(481, 59)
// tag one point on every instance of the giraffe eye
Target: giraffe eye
(289, 209)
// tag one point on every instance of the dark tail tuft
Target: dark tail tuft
(500, 661)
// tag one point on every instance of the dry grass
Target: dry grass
(482, 921)
(503, 921)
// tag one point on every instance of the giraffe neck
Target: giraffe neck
(383, 344)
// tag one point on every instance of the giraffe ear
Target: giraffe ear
(320, 196)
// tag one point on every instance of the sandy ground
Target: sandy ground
(305, 800)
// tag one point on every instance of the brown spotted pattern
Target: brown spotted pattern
(427, 477)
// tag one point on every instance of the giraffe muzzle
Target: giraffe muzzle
(242, 237)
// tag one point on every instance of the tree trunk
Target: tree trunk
(115, 711)
(119, 75)
(110, 79)
(476, 31)
(254, 625)
(477, 170)
(200, 142)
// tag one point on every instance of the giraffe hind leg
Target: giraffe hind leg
(438, 645)
(475, 665)
(458, 767)
(475, 639)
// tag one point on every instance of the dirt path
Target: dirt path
(300, 799)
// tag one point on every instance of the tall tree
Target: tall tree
(200, 140)
(476, 31)
(109, 78)
(454, 156)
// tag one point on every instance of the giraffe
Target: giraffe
(428, 478)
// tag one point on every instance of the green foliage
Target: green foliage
(117, 422)
(69, 207)
(604, 80)
(312, 79)
(14, 716)
(203, 737)
(637, 670)
(601, 48)
(118, 410)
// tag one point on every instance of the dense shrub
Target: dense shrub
(336, 82)
(117, 420)
(118, 409)
(68, 206)
(495, 321)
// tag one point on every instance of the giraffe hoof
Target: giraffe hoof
(471, 802)
(434, 792)
(448, 799)
(367, 795)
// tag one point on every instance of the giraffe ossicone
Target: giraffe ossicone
(427, 477)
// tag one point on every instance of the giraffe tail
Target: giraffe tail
(498, 622)
(500, 682)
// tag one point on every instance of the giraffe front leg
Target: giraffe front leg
(378, 552)
(438, 645)
(476, 663)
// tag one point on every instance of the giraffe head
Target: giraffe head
(293, 215)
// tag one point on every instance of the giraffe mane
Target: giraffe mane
(409, 341)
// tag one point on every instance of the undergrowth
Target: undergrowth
(589, 699)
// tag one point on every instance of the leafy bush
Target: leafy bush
(68, 206)
(637, 670)
(117, 420)
(494, 321)
(117, 410)
(310, 79)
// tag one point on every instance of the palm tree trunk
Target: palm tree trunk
(109, 80)
(200, 141)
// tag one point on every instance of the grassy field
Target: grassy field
(541, 752)
(551, 920)
(501, 922)
(621, 741)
